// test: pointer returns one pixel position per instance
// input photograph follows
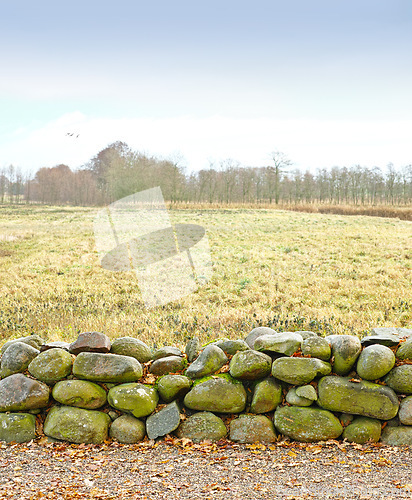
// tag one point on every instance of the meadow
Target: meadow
(287, 270)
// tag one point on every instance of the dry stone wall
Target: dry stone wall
(268, 386)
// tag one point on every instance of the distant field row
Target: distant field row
(288, 270)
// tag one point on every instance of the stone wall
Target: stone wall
(269, 385)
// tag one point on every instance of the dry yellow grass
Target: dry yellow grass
(288, 270)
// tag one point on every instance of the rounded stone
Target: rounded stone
(345, 350)
(299, 371)
(251, 429)
(267, 395)
(128, 430)
(16, 358)
(400, 379)
(17, 427)
(172, 387)
(209, 361)
(316, 347)
(166, 351)
(202, 426)
(363, 430)
(79, 393)
(258, 332)
(134, 398)
(169, 364)
(51, 366)
(405, 411)
(250, 365)
(231, 347)
(106, 368)
(294, 399)
(21, 393)
(135, 348)
(375, 361)
(33, 340)
(397, 436)
(286, 343)
(405, 350)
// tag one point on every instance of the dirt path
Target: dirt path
(174, 469)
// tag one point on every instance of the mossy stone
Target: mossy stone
(128, 429)
(231, 347)
(405, 350)
(79, 393)
(172, 387)
(251, 429)
(307, 391)
(299, 371)
(209, 361)
(345, 350)
(17, 427)
(169, 364)
(111, 368)
(358, 398)
(135, 348)
(267, 395)
(294, 399)
(51, 366)
(16, 358)
(202, 426)
(286, 343)
(316, 347)
(363, 430)
(375, 361)
(33, 340)
(134, 398)
(258, 332)
(400, 379)
(77, 425)
(405, 411)
(397, 436)
(250, 365)
(307, 424)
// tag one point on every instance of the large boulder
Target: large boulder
(267, 395)
(128, 430)
(364, 398)
(250, 365)
(77, 425)
(21, 393)
(299, 371)
(169, 364)
(33, 340)
(90, 342)
(135, 398)
(375, 361)
(164, 421)
(345, 350)
(400, 379)
(171, 387)
(307, 424)
(286, 343)
(251, 429)
(202, 426)
(258, 332)
(79, 393)
(17, 427)
(110, 368)
(397, 436)
(51, 366)
(221, 394)
(363, 430)
(210, 360)
(16, 358)
(135, 348)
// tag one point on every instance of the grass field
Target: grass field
(288, 270)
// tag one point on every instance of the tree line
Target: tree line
(118, 171)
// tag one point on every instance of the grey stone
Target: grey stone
(363, 430)
(221, 394)
(79, 393)
(164, 421)
(307, 424)
(166, 351)
(202, 426)
(283, 343)
(135, 348)
(405, 350)
(306, 334)
(112, 368)
(375, 361)
(316, 347)
(16, 358)
(210, 360)
(345, 350)
(405, 411)
(267, 395)
(17, 427)
(90, 342)
(386, 336)
(173, 387)
(51, 366)
(294, 399)
(400, 379)
(397, 436)
(52, 345)
(170, 364)
(21, 393)
(77, 425)
(135, 398)
(250, 365)
(192, 349)
(299, 371)
(231, 347)
(33, 340)
(358, 398)
(256, 333)
(251, 429)
(128, 430)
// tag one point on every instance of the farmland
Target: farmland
(288, 270)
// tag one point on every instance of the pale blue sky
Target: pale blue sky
(326, 82)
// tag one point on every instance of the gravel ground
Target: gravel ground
(174, 468)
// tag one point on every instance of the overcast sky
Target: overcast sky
(326, 82)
